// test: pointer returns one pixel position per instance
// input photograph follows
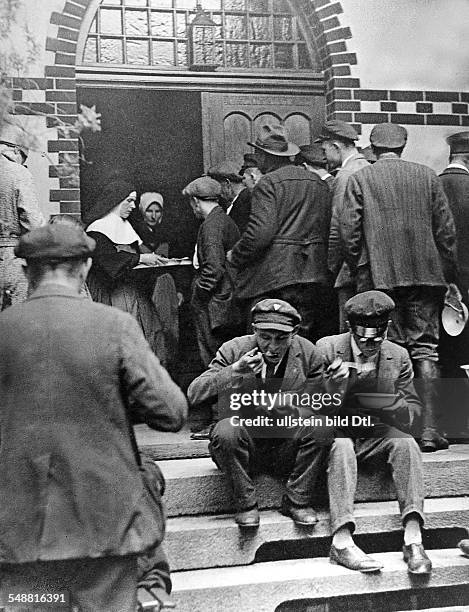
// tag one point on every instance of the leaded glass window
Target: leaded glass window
(251, 34)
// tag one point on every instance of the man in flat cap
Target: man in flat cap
(338, 143)
(233, 191)
(73, 376)
(212, 289)
(312, 158)
(283, 252)
(399, 236)
(363, 361)
(273, 358)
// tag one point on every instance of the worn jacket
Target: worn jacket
(241, 209)
(396, 221)
(72, 375)
(285, 241)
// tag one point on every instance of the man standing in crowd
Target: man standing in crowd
(312, 158)
(384, 367)
(73, 377)
(213, 285)
(233, 192)
(338, 143)
(399, 236)
(273, 358)
(283, 252)
(19, 213)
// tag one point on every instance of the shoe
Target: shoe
(302, 515)
(432, 441)
(353, 558)
(247, 519)
(203, 434)
(416, 559)
(464, 547)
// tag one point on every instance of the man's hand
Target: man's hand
(337, 370)
(229, 256)
(251, 361)
(453, 293)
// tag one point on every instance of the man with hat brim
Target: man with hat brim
(272, 359)
(338, 143)
(311, 157)
(282, 254)
(363, 361)
(74, 375)
(236, 197)
(399, 236)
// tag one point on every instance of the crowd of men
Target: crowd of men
(305, 283)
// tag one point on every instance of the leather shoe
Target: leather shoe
(416, 559)
(353, 558)
(302, 515)
(432, 441)
(248, 519)
(464, 547)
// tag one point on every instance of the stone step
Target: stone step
(161, 445)
(216, 541)
(264, 586)
(195, 486)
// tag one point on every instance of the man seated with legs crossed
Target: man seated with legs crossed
(271, 359)
(362, 361)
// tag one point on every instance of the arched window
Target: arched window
(250, 34)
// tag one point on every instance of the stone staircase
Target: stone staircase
(284, 568)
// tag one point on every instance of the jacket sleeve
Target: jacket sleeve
(350, 221)
(29, 213)
(444, 230)
(405, 385)
(112, 262)
(335, 252)
(262, 225)
(152, 397)
(213, 260)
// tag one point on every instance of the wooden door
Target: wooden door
(231, 120)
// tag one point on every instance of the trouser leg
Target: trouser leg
(343, 295)
(428, 374)
(342, 483)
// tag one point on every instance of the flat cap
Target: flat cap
(312, 154)
(335, 128)
(275, 314)
(459, 143)
(369, 310)
(204, 187)
(388, 136)
(56, 241)
(226, 170)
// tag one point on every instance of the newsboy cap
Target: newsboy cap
(273, 140)
(388, 136)
(459, 143)
(369, 311)
(227, 170)
(55, 241)
(312, 154)
(275, 314)
(204, 188)
(335, 128)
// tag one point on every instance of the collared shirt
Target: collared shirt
(228, 210)
(326, 176)
(456, 165)
(359, 357)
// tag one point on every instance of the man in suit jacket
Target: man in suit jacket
(283, 252)
(363, 361)
(338, 142)
(399, 236)
(272, 359)
(73, 376)
(233, 192)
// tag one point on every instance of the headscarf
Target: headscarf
(148, 198)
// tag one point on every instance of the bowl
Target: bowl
(466, 369)
(376, 400)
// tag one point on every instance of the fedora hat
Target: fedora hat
(273, 140)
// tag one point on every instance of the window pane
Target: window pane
(237, 55)
(111, 51)
(185, 4)
(162, 25)
(90, 55)
(119, 2)
(93, 25)
(219, 54)
(136, 3)
(304, 60)
(136, 23)
(163, 53)
(283, 28)
(181, 27)
(137, 52)
(235, 27)
(182, 54)
(261, 56)
(258, 6)
(235, 5)
(281, 6)
(211, 5)
(284, 56)
(161, 3)
(260, 28)
(111, 21)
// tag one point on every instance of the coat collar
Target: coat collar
(54, 289)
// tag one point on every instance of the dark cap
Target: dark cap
(337, 129)
(388, 136)
(227, 170)
(55, 241)
(273, 140)
(275, 314)
(312, 154)
(458, 143)
(369, 310)
(204, 187)
(249, 161)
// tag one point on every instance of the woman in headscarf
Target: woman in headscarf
(111, 279)
(149, 224)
